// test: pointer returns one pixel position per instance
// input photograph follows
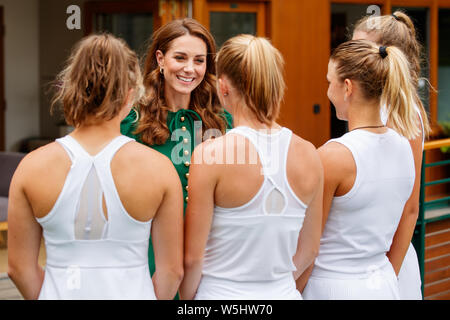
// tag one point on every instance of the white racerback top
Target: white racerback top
(90, 256)
(361, 224)
(257, 241)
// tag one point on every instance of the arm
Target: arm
(332, 177)
(405, 229)
(309, 238)
(24, 240)
(199, 214)
(167, 238)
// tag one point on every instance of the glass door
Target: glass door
(133, 21)
(444, 70)
(228, 19)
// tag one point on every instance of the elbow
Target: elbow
(192, 262)
(14, 272)
(174, 274)
(11, 273)
(412, 211)
(177, 274)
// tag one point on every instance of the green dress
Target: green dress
(178, 147)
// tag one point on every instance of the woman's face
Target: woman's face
(336, 92)
(184, 64)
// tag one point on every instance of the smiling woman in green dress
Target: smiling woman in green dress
(181, 100)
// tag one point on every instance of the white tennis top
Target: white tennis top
(361, 224)
(257, 241)
(90, 256)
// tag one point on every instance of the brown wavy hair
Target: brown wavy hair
(96, 80)
(152, 126)
(398, 30)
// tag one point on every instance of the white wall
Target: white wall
(21, 70)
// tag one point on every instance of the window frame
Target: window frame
(135, 6)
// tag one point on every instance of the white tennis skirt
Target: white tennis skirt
(381, 284)
(409, 281)
(212, 288)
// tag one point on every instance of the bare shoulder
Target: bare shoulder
(137, 156)
(336, 157)
(212, 151)
(43, 159)
(306, 154)
(304, 169)
(209, 145)
(143, 168)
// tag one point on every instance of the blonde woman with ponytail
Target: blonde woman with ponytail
(369, 173)
(398, 30)
(254, 215)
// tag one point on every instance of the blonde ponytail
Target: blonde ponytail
(383, 75)
(399, 95)
(398, 30)
(255, 68)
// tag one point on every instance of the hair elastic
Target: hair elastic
(396, 18)
(383, 52)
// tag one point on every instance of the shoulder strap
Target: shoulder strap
(347, 140)
(111, 149)
(72, 147)
(272, 149)
(251, 136)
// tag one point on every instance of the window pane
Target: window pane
(343, 18)
(444, 66)
(134, 28)
(421, 20)
(225, 25)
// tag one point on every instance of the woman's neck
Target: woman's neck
(243, 116)
(365, 114)
(94, 136)
(176, 101)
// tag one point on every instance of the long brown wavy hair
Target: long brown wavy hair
(152, 126)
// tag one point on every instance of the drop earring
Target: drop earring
(161, 70)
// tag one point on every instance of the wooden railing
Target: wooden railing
(432, 234)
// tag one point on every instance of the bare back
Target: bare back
(238, 183)
(135, 169)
